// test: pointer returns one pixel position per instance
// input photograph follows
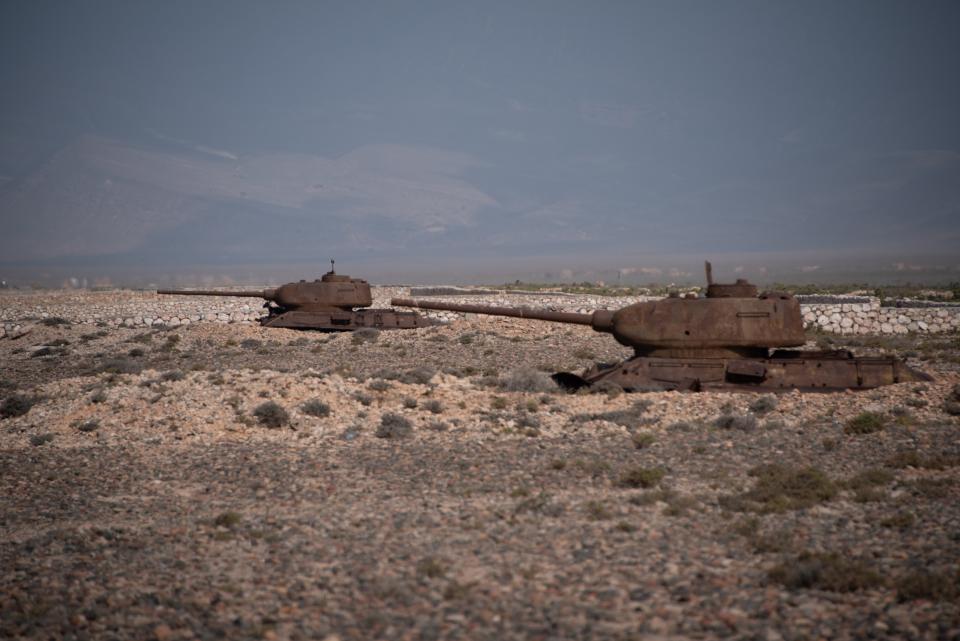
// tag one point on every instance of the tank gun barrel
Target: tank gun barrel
(262, 293)
(515, 312)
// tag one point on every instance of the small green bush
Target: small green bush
(642, 440)
(870, 477)
(598, 511)
(865, 423)
(641, 477)
(409, 402)
(228, 519)
(779, 488)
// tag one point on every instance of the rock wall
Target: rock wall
(871, 318)
(144, 309)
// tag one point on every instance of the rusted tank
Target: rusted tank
(333, 302)
(733, 338)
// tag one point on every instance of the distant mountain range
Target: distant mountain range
(101, 197)
(398, 210)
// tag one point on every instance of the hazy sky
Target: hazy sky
(663, 126)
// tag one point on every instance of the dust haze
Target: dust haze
(240, 142)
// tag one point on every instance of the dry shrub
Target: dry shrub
(912, 458)
(418, 376)
(527, 380)
(315, 407)
(271, 414)
(641, 477)
(394, 426)
(630, 417)
(932, 586)
(742, 423)
(120, 366)
(825, 571)
(365, 335)
(16, 405)
(379, 385)
(433, 406)
(764, 405)
(779, 488)
(865, 423)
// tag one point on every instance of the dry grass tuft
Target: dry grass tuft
(394, 426)
(825, 571)
(865, 423)
(780, 488)
(271, 414)
(16, 405)
(641, 477)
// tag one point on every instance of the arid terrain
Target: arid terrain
(229, 481)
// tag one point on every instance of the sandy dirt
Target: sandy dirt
(229, 481)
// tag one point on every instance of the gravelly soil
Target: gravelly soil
(152, 504)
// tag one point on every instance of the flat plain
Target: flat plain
(229, 481)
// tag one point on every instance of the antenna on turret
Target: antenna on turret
(709, 268)
(332, 271)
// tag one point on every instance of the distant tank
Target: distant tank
(329, 303)
(731, 339)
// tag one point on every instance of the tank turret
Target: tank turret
(732, 337)
(332, 302)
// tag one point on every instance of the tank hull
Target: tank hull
(346, 321)
(783, 371)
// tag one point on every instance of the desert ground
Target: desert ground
(229, 481)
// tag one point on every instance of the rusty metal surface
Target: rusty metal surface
(514, 312)
(260, 293)
(782, 372)
(721, 341)
(348, 321)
